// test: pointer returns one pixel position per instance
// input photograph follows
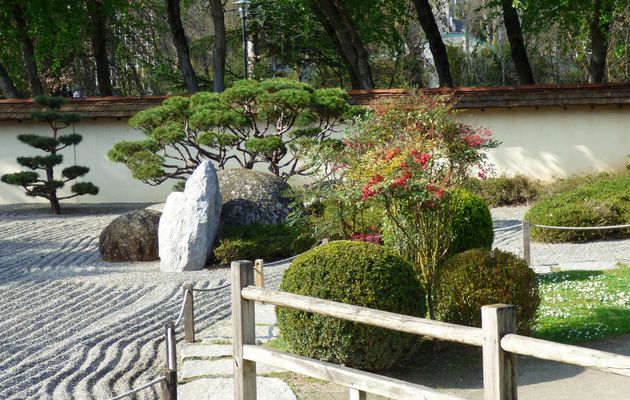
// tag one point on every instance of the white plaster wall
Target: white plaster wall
(541, 144)
(114, 180)
(554, 142)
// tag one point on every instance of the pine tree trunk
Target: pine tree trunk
(432, 32)
(600, 28)
(348, 42)
(7, 87)
(181, 45)
(99, 47)
(220, 46)
(28, 52)
(517, 45)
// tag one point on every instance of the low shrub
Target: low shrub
(358, 273)
(472, 223)
(269, 242)
(474, 278)
(597, 201)
(504, 190)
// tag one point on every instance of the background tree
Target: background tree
(48, 186)
(590, 21)
(279, 123)
(219, 47)
(98, 16)
(434, 37)
(517, 44)
(181, 45)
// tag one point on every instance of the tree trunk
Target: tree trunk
(351, 49)
(7, 87)
(28, 52)
(432, 32)
(517, 45)
(181, 45)
(220, 46)
(98, 27)
(600, 28)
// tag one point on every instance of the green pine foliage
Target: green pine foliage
(357, 273)
(283, 124)
(46, 186)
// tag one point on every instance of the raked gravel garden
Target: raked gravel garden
(75, 327)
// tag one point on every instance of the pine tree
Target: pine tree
(47, 186)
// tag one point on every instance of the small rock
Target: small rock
(131, 237)
(190, 222)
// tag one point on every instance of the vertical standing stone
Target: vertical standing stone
(190, 221)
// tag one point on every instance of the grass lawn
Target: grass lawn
(582, 306)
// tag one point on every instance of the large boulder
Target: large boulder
(190, 221)
(131, 237)
(252, 196)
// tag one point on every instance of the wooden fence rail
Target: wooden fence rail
(496, 337)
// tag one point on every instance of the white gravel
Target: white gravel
(74, 327)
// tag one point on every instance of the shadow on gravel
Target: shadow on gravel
(459, 367)
(504, 223)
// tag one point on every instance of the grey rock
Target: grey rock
(252, 196)
(131, 237)
(190, 222)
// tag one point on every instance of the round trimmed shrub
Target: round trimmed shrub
(472, 223)
(605, 200)
(357, 273)
(478, 277)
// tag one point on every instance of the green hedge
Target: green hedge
(603, 200)
(504, 190)
(478, 277)
(356, 273)
(269, 242)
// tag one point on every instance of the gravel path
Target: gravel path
(73, 327)
(592, 255)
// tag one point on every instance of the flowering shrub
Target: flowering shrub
(373, 237)
(409, 155)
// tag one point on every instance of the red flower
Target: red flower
(440, 193)
(367, 192)
(422, 159)
(392, 153)
(375, 179)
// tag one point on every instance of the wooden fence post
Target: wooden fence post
(259, 273)
(526, 243)
(169, 385)
(499, 367)
(189, 314)
(244, 331)
(356, 394)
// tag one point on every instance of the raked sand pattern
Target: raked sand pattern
(74, 327)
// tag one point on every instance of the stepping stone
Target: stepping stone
(265, 314)
(205, 351)
(192, 369)
(223, 388)
(223, 332)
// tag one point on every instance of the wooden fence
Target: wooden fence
(497, 338)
